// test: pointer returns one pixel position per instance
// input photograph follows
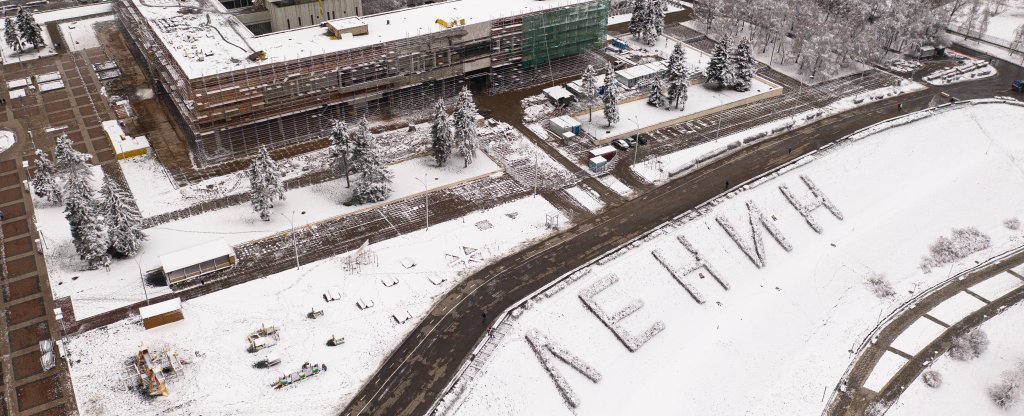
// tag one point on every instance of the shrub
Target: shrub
(1008, 391)
(1012, 223)
(880, 286)
(969, 345)
(932, 379)
(962, 243)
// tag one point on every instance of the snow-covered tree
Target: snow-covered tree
(123, 220)
(11, 37)
(640, 17)
(44, 182)
(375, 183)
(719, 71)
(707, 11)
(611, 96)
(1018, 38)
(464, 125)
(87, 224)
(658, 97)
(69, 159)
(265, 183)
(742, 62)
(675, 76)
(29, 30)
(339, 150)
(441, 134)
(658, 16)
(589, 89)
(360, 141)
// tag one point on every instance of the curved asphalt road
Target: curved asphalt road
(409, 381)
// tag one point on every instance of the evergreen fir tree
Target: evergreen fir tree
(87, 230)
(742, 61)
(94, 242)
(611, 96)
(11, 37)
(658, 16)
(67, 157)
(464, 126)
(441, 133)
(375, 183)
(265, 183)
(719, 71)
(640, 17)
(29, 30)
(675, 75)
(123, 220)
(339, 150)
(360, 142)
(589, 90)
(44, 182)
(653, 24)
(657, 97)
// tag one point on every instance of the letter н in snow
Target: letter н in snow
(807, 206)
(612, 321)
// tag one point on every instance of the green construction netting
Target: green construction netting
(564, 32)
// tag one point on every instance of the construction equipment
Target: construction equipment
(335, 341)
(263, 338)
(315, 313)
(267, 362)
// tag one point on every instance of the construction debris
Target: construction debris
(308, 370)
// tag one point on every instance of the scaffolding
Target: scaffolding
(229, 115)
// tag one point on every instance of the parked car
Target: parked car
(643, 138)
(621, 144)
(1018, 85)
(631, 140)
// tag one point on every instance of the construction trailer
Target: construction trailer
(197, 261)
(641, 74)
(563, 125)
(161, 313)
(232, 91)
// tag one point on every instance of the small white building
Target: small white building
(559, 95)
(633, 76)
(563, 125)
(161, 313)
(198, 260)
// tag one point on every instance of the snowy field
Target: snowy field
(776, 326)
(638, 115)
(654, 170)
(221, 380)
(586, 197)
(6, 140)
(96, 291)
(81, 35)
(965, 384)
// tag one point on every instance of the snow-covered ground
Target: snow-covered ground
(616, 185)
(95, 291)
(775, 338)
(965, 384)
(790, 67)
(657, 169)
(640, 115)
(28, 53)
(221, 379)
(6, 140)
(586, 197)
(969, 69)
(80, 35)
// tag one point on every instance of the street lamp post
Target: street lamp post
(637, 151)
(142, 279)
(295, 242)
(426, 197)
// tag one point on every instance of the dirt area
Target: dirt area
(25, 311)
(39, 392)
(26, 365)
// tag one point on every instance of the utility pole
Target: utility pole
(426, 197)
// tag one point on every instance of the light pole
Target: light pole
(637, 151)
(142, 278)
(295, 243)
(426, 197)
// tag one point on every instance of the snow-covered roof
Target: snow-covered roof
(196, 254)
(565, 122)
(225, 44)
(641, 71)
(558, 93)
(160, 308)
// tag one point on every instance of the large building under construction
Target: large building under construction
(233, 91)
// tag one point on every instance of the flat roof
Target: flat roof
(160, 308)
(225, 44)
(194, 255)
